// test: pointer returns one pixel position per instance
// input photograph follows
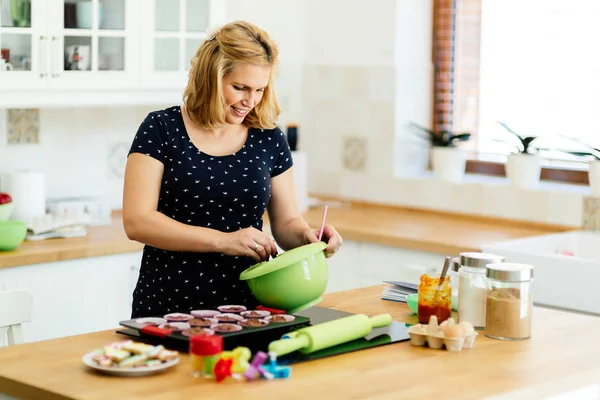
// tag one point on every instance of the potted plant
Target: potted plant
(593, 154)
(447, 159)
(523, 167)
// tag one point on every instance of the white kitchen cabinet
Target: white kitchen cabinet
(75, 296)
(343, 268)
(70, 44)
(172, 31)
(93, 52)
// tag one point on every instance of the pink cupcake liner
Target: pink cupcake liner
(198, 331)
(204, 313)
(231, 309)
(176, 326)
(288, 318)
(255, 314)
(178, 317)
(151, 321)
(225, 328)
(203, 322)
(253, 323)
(228, 317)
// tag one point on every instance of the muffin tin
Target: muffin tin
(236, 323)
(454, 337)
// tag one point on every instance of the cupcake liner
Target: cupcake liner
(228, 317)
(178, 317)
(203, 322)
(198, 331)
(253, 322)
(175, 326)
(151, 321)
(255, 314)
(280, 318)
(204, 313)
(225, 328)
(231, 308)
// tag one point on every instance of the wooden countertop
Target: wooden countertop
(429, 231)
(562, 355)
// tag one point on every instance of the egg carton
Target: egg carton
(450, 335)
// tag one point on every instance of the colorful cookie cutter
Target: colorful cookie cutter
(256, 369)
(279, 372)
(241, 359)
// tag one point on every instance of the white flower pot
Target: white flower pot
(594, 177)
(523, 170)
(448, 163)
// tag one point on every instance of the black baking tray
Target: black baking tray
(255, 338)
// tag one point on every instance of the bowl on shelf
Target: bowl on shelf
(293, 281)
(6, 210)
(413, 302)
(12, 234)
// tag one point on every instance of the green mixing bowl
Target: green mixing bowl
(293, 281)
(6, 210)
(12, 234)
(413, 302)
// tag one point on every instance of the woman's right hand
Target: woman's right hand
(249, 242)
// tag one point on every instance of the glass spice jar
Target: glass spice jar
(509, 302)
(432, 301)
(472, 281)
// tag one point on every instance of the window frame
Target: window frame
(474, 165)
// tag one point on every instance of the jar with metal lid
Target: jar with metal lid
(509, 302)
(453, 273)
(473, 286)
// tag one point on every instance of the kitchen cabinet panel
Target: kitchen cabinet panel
(75, 296)
(343, 268)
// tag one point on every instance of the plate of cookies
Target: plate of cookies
(129, 358)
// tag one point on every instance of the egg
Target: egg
(467, 328)
(453, 332)
(448, 322)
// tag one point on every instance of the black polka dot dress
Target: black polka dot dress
(225, 193)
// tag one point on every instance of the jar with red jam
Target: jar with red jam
(432, 301)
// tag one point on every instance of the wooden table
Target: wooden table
(562, 355)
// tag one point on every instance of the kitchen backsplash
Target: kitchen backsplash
(23, 126)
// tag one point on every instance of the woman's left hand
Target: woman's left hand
(330, 236)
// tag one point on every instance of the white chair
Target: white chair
(15, 309)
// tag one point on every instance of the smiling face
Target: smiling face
(243, 89)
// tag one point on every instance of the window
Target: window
(528, 63)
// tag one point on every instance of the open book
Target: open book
(397, 291)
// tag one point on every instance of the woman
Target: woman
(199, 178)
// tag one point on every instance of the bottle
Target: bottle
(509, 301)
(434, 298)
(204, 353)
(472, 284)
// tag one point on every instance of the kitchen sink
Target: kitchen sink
(567, 267)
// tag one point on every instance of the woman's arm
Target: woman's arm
(289, 228)
(143, 223)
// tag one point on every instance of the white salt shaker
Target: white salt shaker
(473, 286)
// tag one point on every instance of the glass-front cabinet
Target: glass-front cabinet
(69, 44)
(172, 31)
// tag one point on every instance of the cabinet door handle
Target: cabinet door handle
(55, 56)
(42, 53)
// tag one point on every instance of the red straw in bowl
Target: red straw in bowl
(323, 223)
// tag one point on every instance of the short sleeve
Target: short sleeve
(150, 139)
(283, 158)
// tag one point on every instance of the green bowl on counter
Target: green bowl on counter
(293, 281)
(12, 234)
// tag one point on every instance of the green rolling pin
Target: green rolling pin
(327, 334)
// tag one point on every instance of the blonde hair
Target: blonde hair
(233, 44)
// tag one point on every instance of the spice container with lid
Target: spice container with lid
(473, 287)
(432, 301)
(453, 272)
(509, 301)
